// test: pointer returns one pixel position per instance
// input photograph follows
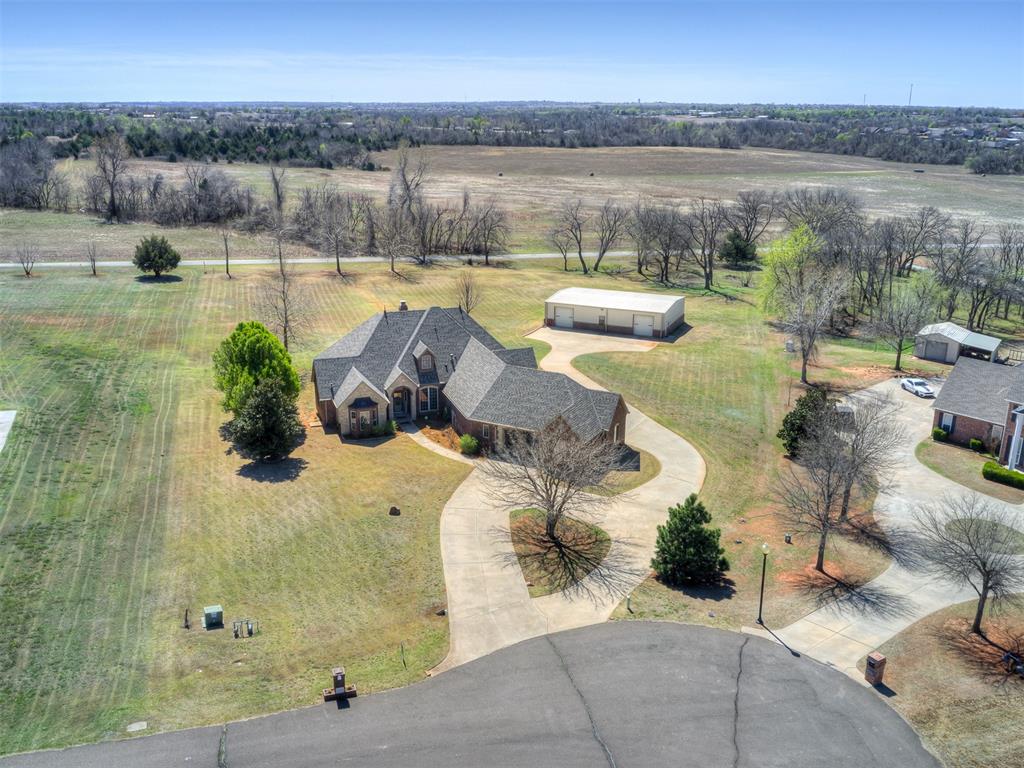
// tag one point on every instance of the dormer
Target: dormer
(425, 360)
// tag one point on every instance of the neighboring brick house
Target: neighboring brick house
(404, 364)
(978, 401)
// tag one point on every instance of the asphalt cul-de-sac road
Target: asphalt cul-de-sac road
(617, 694)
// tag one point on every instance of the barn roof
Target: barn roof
(599, 298)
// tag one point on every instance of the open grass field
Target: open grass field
(951, 686)
(534, 180)
(121, 505)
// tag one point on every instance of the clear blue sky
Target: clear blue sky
(955, 53)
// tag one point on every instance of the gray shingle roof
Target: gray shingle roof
(979, 390)
(387, 341)
(485, 388)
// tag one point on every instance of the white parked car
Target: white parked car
(918, 387)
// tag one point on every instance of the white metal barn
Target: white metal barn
(945, 342)
(631, 312)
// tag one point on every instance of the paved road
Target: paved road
(843, 632)
(489, 606)
(619, 694)
(216, 262)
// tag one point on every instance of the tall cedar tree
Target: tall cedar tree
(268, 425)
(736, 250)
(688, 550)
(154, 254)
(248, 356)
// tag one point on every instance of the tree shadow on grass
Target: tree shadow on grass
(281, 471)
(855, 594)
(991, 656)
(900, 544)
(723, 589)
(582, 564)
(158, 280)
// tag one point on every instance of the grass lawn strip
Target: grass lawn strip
(549, 567)
(963, 466)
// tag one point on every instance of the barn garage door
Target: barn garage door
(563, 317)
(643, 325)
(935, 350)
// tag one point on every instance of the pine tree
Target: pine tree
(688, 550)
(268, 425)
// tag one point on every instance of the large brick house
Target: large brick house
(441, 362)
(983, 401)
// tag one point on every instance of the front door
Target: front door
(400, 403)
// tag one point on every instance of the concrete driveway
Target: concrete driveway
(843, 632)
(489, 606)
(620, 694)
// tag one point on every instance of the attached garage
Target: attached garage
(945, 342)
(628, 312)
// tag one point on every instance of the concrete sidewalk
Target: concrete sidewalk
(489, 605)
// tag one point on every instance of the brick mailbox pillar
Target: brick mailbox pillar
(338, 673)
(874, 671)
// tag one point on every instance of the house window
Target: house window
(486, 432)
(615, 434)
(427, 363)
(946, 422)
(428, 399)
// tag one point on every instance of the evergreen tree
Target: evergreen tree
(795, 424)
(154, 254)
(248, 356)
(267, 427)
(688, 550)
(736, 250)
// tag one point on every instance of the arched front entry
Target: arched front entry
(401, 404)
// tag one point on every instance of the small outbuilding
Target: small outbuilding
(655, 315)
(945, 342)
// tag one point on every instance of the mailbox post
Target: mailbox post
(874, 670)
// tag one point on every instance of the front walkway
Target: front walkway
(843, 632)
(489, 606)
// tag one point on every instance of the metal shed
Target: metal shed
(628, 312)
(945, 342)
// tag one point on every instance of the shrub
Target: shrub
(154, 254)
(469, 445)
(688, 550)
(999, 474)
(976, 445)
(939, 435)
(385, 429)
(795, 424)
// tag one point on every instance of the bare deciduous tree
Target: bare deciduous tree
(871, 433)
(277, 189)
(824, 210)
(559, 238)
(284, 306)
(611, 221)
(91, 257)
(902, 313)
(552, 471)
(570, 222)
(705, 223)
(112, 155)
(392, 238)
(26, 256)
(972, 541)
(227, 255)
(468, 293)
(753, 212)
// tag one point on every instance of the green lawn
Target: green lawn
(725, 385)
(963, 466)
(119, 507)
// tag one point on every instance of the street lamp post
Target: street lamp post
(764, 567)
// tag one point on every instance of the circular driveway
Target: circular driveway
(617, 694)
